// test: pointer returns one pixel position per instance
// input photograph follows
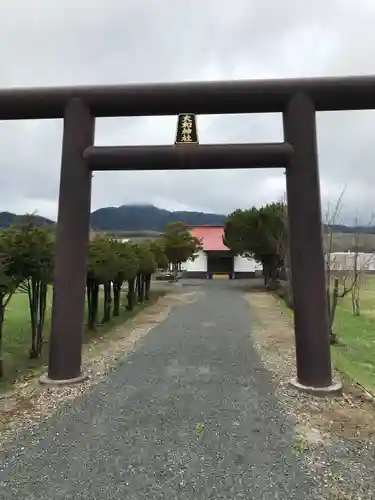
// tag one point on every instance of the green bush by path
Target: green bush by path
(16, 341)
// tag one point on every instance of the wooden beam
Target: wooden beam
(188, 157)
(221, 97)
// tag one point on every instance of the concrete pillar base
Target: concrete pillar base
(45, 380)
(332, 390)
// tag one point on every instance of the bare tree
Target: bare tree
(330, 219)
(338, 278)
(345, 271)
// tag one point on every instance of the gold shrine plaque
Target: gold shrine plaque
(186, 132)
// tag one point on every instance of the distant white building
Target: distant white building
(217, 259)
(345, 261)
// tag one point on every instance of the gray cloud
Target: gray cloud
(112, 42)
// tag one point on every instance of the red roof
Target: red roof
(210, 236)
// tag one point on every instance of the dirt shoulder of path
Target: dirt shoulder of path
(349, 416)
(30, 402)
(342, 428)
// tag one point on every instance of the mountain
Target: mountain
(148, 218)
(7, 219)
(128, 218)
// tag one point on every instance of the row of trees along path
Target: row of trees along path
(27, 266)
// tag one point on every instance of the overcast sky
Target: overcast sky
(74, 42)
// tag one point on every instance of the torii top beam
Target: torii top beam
(241, 96)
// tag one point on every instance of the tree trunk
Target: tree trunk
(89, 304)
(270, 270)
(32, 291)
(92, 304)
(265, 273)
(332, 311)
(42, 305)
(356, 306)
(130, 295)
(37, 295)
(329, 298)
(147, 286)
(95, 304)
(140, 287)
(274, 274)
(107, 302)
(288, 295)
(137, 286)
(116, 298)
(89, 299)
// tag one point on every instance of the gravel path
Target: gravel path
(190, 415)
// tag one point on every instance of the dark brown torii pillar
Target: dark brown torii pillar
(306, 246)
(73, 225)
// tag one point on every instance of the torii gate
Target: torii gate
(297, 99)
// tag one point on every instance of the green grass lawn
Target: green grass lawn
(17, 336)
(355, 354)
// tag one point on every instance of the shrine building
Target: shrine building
(217, 260)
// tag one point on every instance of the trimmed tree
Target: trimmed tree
(101, 270)
(92, 283)
(8, 285)
(258, 234)
(179, 245)
(147, 266)
(161, 262)
(157, 247)
(31, 259)
(127, 269)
